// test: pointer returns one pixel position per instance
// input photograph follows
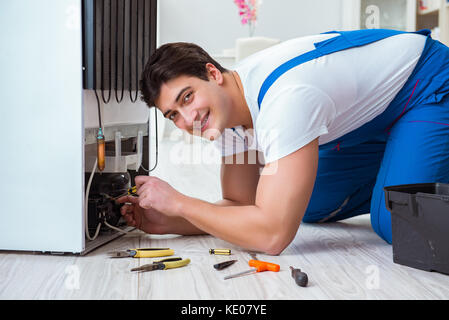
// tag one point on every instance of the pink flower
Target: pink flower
(247, 10)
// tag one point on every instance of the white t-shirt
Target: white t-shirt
(326, 97)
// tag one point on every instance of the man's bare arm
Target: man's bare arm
(238, 184)
(239, 178)
(281, 200)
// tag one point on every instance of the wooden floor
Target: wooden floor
(344, 260)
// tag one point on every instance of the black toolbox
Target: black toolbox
(420, 225)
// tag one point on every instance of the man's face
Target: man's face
(194, 105)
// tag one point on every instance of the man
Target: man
(336, 116)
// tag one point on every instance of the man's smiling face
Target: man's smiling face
(195, 105)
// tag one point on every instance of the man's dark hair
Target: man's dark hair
(170, 61)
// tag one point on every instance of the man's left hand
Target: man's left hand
(158, 194)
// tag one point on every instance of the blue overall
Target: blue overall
(407, 143)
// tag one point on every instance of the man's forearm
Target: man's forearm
(227, 203)
(184, 227)
(243, 225)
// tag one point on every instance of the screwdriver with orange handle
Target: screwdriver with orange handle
(258, 266)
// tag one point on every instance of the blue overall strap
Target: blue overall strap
(346, 40)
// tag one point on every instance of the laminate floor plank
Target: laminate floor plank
(28, 275)
(102, 277)
(343, 260)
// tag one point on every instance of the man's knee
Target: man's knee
(381, 219)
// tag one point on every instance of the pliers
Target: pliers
(163, 264)
(142, 253)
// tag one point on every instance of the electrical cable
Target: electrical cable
(157, 145)
(136, 51)
(142, 61)
(115, 228)
(86, 204)
(102, 52)
(100, 125)
(86, 207)
(155, 111)
(123, 52)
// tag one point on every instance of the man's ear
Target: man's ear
(213, 73)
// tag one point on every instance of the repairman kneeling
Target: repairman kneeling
(337, 116)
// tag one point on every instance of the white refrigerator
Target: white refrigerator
(41, 126)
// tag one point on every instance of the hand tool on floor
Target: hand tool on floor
(169, 263)
(142, 253)
(258, 266)
(300, 277)
(223, 265)
(220, 251)
(253, 255)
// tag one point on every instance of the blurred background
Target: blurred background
(220, 28)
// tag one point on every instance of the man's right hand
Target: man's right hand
(152, 221)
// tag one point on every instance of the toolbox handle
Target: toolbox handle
(399, 198)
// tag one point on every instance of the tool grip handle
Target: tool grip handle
(222, 265)
(132, 190)
(264, 266)
(142, 253)
(176, 264)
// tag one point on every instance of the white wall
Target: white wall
(215, 24)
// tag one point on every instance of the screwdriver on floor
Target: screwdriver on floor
(300, 277)
(258, 266)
